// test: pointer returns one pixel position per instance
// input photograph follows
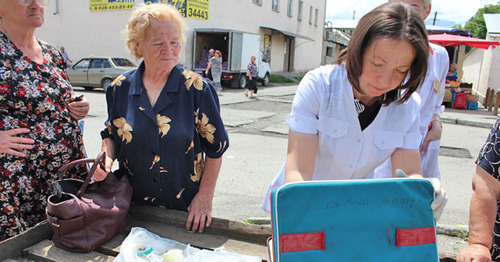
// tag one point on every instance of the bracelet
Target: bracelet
(439, 121)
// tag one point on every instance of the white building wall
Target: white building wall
(494, 80)
(85, 33)
(471, 69)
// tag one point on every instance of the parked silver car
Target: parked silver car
(93, 72)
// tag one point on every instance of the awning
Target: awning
(288, 33)
(454, 40)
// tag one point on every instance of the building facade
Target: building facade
(291, 31)
(480, 66)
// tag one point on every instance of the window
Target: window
(299, 12)
(267, 48)
(122, 62)
(289, 8)
(310, 15)
(329, 51)
(257, 2)
(84, 64)
(106, 64)
(316, 17)
(96, 63)
(275, 5)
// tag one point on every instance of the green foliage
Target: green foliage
(463, 235)
(280, 79)
(249, 221)
(476, 23)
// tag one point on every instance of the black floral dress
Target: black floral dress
(34, 96)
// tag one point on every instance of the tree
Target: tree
(476, 24)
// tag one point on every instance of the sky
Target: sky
(449, 12)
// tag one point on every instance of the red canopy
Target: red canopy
(454, 40)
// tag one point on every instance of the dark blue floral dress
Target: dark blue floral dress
(34, 96)
(163, 147)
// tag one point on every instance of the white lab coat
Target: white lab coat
(324, 105)
(432, 93)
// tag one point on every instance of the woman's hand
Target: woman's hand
(78, 109)
(200, 212)
(440, 198)
(200, 209)
(11, 144)
(474, 253)
(433, 134)
(103, 170)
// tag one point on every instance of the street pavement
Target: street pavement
(258, 142)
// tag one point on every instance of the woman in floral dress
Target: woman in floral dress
(164, 125)
(39, 128)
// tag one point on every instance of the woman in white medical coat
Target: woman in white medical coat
(349, 117)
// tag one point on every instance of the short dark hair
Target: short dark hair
(397, 21)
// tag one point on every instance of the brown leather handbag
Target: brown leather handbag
(84, 215)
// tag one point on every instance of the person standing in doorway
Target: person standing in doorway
(208, 74)
(252, 73)
(215, 64)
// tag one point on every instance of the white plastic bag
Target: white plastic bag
(140, 239)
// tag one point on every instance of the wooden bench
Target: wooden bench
(36, 244)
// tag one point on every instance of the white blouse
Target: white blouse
(324, 105)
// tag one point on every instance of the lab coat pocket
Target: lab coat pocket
(332, 127)
(388, 140)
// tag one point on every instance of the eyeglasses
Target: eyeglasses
(30, 2)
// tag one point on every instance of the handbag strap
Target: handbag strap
(97, 161)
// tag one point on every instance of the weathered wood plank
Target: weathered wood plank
(45, 251)
(229, 228)
(112, 247)
(13, 247)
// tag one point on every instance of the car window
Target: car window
(122, 62)
(106, 64)
(83, 64)
(96, 63)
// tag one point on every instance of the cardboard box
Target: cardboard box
(472, 98)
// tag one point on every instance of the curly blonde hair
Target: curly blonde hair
(141, 18)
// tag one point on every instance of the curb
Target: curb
(466, 122)
(453, 231)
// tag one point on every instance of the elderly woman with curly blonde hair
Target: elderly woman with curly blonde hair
(164, 125)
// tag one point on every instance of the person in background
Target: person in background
(164, 126)
(484, 214)
(349, 117)
(431, 92)
(67, 61)
(252, 73)
(452, 73)
(215, 64)
(208, 73)
(39, 129)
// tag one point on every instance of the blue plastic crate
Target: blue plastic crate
(472, 106)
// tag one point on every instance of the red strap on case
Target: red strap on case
(302, 242)
(415, 236)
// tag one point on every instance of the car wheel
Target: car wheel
(105, 83)
(265, 81)
(243, 81)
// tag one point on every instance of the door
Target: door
(97, 70)
(289, 55)
(78, 73)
